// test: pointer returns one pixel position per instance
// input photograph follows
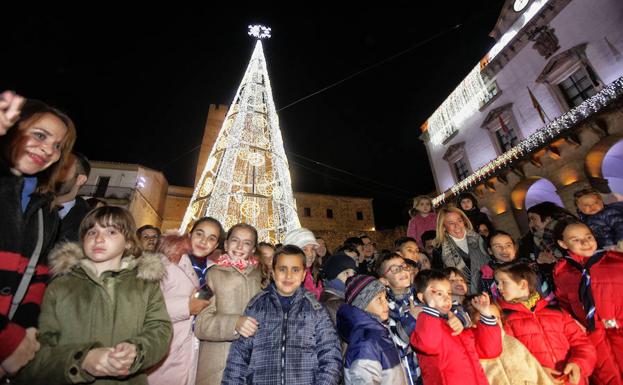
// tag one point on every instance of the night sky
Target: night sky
(138, 83)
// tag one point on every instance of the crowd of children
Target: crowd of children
(455, 302)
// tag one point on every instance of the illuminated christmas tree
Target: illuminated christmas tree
(246, 177)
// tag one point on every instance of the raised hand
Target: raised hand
(10, 108)
(455, 323)
(481, 303)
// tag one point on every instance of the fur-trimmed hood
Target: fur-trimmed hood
(66, 256)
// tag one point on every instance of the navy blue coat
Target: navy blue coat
(297, 347)
(607, 225)
(371, 357)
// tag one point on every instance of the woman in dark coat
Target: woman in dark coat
(32, 152)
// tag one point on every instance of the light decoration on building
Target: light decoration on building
(246, 177)
(459, 106)
(474, 90)
(538, 139)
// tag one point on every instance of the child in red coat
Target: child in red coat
(549, 332)
(589, 283)
(445, 356)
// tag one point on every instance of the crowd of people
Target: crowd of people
(86, 297)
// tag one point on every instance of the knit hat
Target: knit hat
(361, 290)
(300, 237)
(335, 264)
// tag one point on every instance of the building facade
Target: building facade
(540, 116)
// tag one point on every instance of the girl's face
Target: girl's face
(423, 206)
(379, 306)
(310, 254)
(458, 284)
(579, 239)
(503, 248)
(241, 243)
(38, 144)
(467, 204)
(204, 239)
(510, 289)
(104, 246)
(267, 253)
(454, 225)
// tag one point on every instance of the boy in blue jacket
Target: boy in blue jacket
(296, 342)
(371, 357)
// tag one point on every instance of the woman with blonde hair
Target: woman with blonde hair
(457, 245)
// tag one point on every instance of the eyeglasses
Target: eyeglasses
(150, 237)
(395, 269)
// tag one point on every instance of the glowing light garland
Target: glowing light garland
(246, 177)
(538, 139)
(473, 91)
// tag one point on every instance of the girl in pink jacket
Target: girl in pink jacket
(423, 218)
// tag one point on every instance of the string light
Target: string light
(246, 177)
(538, 139)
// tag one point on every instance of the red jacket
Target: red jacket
(551, 335)
(446, 359)
(607, 289)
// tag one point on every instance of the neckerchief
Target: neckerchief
(585, 292)
(531, 301)
(200, 267)
(240, 264)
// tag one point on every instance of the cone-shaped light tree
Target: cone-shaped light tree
(246, 177)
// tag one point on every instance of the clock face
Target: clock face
(520, 4)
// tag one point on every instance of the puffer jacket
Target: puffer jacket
(333, 297)
(551, 335)
(606, 288)
(607, 225)
(82, 311)
(447, 359)
(298, 347)
(371, 357)
(18, 237)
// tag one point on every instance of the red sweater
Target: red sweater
(447, 359)
(551, 335)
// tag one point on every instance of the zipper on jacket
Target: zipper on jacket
(284, 330)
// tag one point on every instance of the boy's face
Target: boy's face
(379, 306)
(288, 274)
(396, 274)
(503, 248)
(458, 284)
(579, 239)
(510, 289)
(343, 276)
(429, 247)
(466, 204)
(438, 295)
(409, 250)
(590, 204)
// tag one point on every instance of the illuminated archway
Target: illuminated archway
(529, 192)
(603, 164)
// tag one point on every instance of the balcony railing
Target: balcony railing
(110, 192)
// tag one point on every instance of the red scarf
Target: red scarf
(240, 264)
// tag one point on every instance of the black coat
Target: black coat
(68, 231)
(18, 238)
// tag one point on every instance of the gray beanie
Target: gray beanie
(361, 290)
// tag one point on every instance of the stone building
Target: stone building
(540, 116)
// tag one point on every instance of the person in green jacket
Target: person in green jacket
(103, 318)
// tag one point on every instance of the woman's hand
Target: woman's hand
(10, 108)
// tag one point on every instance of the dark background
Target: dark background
(138, 83)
